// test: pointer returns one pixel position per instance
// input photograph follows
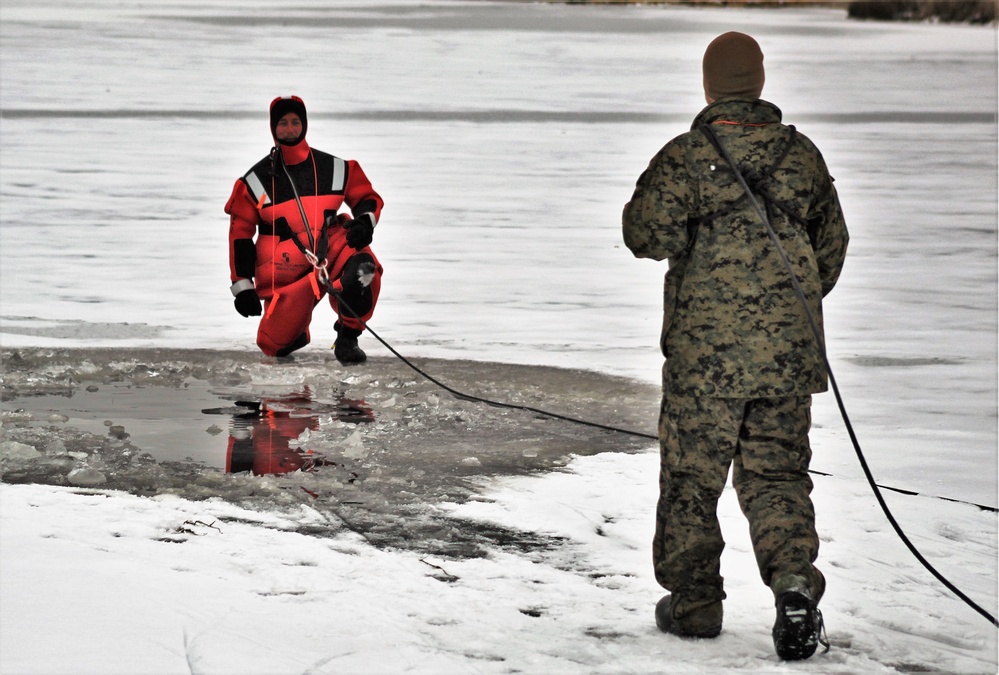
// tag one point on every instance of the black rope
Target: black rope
(710, 133)
(811, 320)
(477, 399)
(628, 432)
(298, 200)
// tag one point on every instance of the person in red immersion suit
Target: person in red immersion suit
(291, 200)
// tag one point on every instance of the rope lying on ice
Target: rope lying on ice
(470, 397)
(628, 432)
(716, 142)
(325, 280)
(867, 472)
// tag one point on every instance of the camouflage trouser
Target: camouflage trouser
(766, 443)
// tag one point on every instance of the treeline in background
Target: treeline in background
(963, 11)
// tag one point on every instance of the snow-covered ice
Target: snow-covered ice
(505, 138)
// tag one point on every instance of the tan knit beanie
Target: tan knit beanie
(733, 66)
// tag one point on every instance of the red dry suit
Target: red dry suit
(263, 204)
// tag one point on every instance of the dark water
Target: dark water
(236, 429)
(265, 433)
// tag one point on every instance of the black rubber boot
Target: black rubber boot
(345, 348)
(703, 622)
(798, 629)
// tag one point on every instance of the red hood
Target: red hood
(294, 154)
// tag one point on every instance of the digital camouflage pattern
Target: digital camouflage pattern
(766, 443)
(741, 358)
(732, 324)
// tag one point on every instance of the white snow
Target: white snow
(505, 138)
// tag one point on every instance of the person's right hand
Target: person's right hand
(248, 303)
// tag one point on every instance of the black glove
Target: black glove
(248, 303)
(360, 230)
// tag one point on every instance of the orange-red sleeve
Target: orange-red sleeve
(243, 218)
(359, 195)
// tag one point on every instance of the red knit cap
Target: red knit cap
(733, 67)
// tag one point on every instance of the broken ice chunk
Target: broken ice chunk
(12, 450)
(86, 476)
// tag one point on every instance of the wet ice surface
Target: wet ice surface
(505, 138)
(376, 447)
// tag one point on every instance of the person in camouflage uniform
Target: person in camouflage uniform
(741, 358)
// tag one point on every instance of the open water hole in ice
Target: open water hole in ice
(243, 428)
(376, 450)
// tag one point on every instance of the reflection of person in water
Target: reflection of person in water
(260, 439)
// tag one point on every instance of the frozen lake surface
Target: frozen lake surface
(505, 138)
(504, 172)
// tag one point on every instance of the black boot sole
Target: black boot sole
(796, 631)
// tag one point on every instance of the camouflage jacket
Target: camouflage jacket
(733, 326)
